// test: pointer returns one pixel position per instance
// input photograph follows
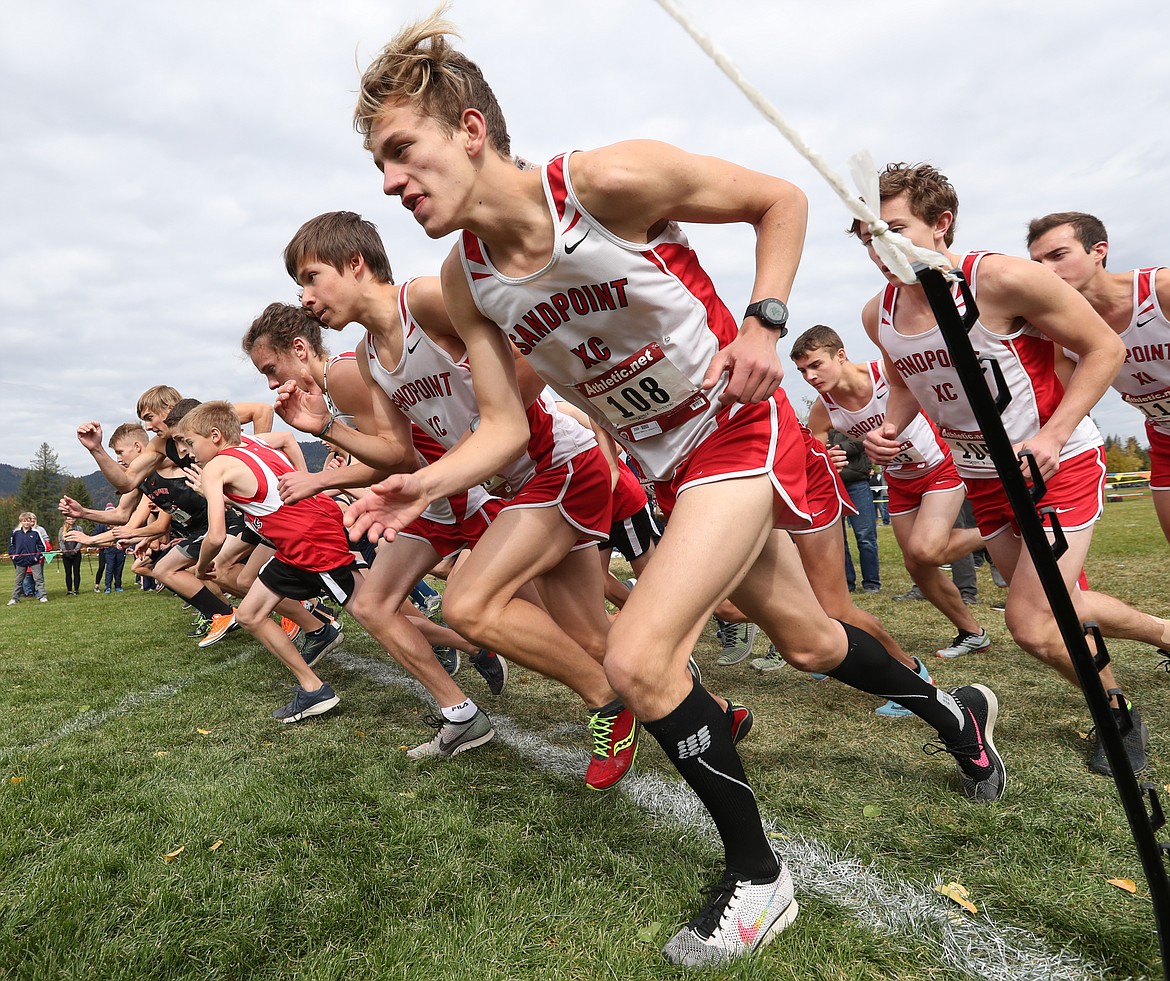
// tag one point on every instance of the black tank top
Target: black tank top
(188, 510)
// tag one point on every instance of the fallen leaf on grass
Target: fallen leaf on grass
(360, 733)
(871, 811)
(203, 732)
(15, 779)
(161, 752)
(1127, 884)
(171, 856)
(958, 894)
(215, 845)
(649, 932)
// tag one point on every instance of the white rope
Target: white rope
(896, 251)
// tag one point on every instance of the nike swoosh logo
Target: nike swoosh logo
(748, 932)
(1140, 323)
(1064, 510)
(410, 349)
(570, 249)
(982, 759)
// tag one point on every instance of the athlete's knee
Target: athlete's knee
(924, 554)
(627, 672)
(468, 611)
(819, 649)
(1036, 632)
(249, 618)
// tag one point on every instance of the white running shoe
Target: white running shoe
(772, 661)
(736, 639)
(741, 916)
(965, 643)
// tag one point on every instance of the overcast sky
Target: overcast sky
(158, 156)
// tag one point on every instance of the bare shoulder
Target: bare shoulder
(1009, 288)
(1162, 288)
(1010, 274)
(347, 386)
(869, 315)
(428, 306)
(617, 168)
(458, 303)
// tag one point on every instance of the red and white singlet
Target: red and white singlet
(922, 450)
(1026, 360)
(1144, 379)
(436, 393)
(310, 534)
(623, 330)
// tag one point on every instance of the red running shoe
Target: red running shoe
(615, 745)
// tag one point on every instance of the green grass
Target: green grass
(341, 858)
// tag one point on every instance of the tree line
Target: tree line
(41, 487)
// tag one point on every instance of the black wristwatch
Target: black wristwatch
(771, 313)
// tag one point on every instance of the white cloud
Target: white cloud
(158, 156)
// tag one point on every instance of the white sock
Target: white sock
(463, 712)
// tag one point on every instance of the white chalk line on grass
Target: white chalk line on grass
(913, 914)
(96, 718)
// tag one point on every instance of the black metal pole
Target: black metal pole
(1143, 824)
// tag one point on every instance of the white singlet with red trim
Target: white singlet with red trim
(309, 534)
(623, 330)
(1144, 378)
(345, 418)
(437, 394)
(921, 448)
(1025, 358)
(443, 511)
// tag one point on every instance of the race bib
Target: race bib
(1156, 405)
(645, 395)
(968, 449)
(907, 455)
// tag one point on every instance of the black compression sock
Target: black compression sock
(697, 738)
(869, 667)
(207, 603)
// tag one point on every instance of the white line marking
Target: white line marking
(915, 914)
(96, 719)
(974, 946)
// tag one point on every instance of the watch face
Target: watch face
(774, 311)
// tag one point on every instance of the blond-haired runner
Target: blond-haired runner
(582, 266)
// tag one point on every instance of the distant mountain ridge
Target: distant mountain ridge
(102, 493)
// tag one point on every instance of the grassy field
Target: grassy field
(155, 820)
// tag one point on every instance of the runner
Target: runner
(285, 344)
(1075, 246)
(580, 264)
(1022, 309)
(312, 550)
(925, 490)
(554, 478)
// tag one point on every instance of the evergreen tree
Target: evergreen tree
(41, 487)
(9, 518)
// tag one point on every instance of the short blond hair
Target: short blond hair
(420, 67)
(207, 416)
(128, 430)
(158, 399)
(27, 515)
